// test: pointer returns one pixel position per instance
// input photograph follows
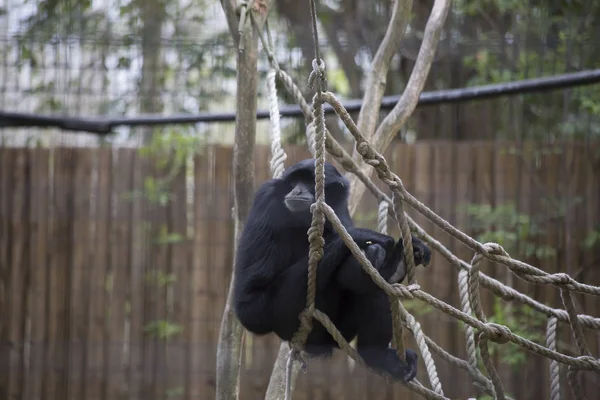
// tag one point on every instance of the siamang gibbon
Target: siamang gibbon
(272, 265)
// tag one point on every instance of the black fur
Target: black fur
(272, 264)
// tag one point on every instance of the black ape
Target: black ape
(272, 264)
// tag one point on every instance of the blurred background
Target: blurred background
(116, 250)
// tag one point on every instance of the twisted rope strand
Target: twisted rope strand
(278, 156)
(554, 367)
(415, 327)
(463, 288)
(469, 275)
(505, 292)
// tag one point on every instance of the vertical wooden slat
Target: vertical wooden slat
(118, 305)
(83, 164)
(61, 225)
(97, 264)
(527, 200)
(590, 176)
(423, 184)
(403, 165)
(587, 221)
(554, 194)
(18, 256)
(88, 302)
(484, 164)
(6, 168)
(222, 239)
(160, 270)
(138, 259)
(200, 300)
(177, 294)
(445, 288)
(39, 183)
(152, 217)
(464, 191)
(212, 314)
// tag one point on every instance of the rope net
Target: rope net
(478, 331)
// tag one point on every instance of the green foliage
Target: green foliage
(174, 392)
(166, 237)
(171, 147)
(160, 278)
(417, 308)
(521, 320)
(525, 40)
(592, 239)
(516, 233)
(512, 230)
(163, 329)
(170, 150)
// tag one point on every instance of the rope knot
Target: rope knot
(405, 292)
(395, 185)
(587, 362)
(498, 333)
(492, 248)
(317, 206)
(413, 287)
(318, 75)
(561, 278)
(363, 149)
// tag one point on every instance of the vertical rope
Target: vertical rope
(397, 331)
(554, 367)
(463, 276)
(382, 217)
(409, 256)
(278, 156)
(424, 349)
(315, 232)
(489, 366)
(474, 298)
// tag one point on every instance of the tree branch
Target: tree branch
(376, 81)
(392, 123)
(230, 337)
(276, 388)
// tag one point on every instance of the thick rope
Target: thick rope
(523, 270)
(415, 327)
(469, 275)
(489, 366)
(576, 328)
(278, 156)
(315, 233)
(554, 367)
(397, 331)
(409, 257)
(478, 309)
(382, 217)
(334, 148)
(463, 288)
(579, 341)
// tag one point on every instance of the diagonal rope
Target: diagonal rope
(582, 346)
(469, 275)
